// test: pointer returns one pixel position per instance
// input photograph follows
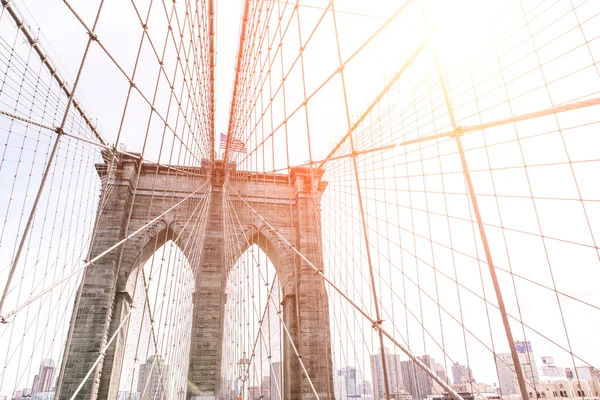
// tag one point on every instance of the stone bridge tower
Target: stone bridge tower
(287, 202)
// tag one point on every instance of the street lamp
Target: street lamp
(243, 368)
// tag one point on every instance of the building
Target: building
(461, 374)
(506, 374)
(348, 383)
(416, 381)
(254, 393)
(567, 390)
(469, 396)
(44, 395)
(586, 372)
(154, 379)
(23, 394)
(440, 371)
(527, 359)
(276, 381)
(126, 395)
(394, 374)
(401, 394)
(265, 387)
(549, 371)
(569, 373)
(475, 388)
(506, 368)
(44, 380)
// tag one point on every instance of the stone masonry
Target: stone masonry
(289, 203)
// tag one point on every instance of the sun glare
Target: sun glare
(461, 29)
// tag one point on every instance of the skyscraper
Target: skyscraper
(44, 380)
(348, 383)
(394, 374)
(416, 381)
(440, 371)
(154, 379)
(461, 373)
(506, 368)
(276, 386)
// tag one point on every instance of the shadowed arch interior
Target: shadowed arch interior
(153, 242)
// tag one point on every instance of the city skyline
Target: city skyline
(299, 199)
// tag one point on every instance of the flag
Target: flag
(235, 144)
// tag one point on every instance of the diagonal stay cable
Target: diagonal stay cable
(373, 321)
(4, 318)
(281, 318)
(56, 129)
(102, 353)
(46, 61)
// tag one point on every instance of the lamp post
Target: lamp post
(243, 371)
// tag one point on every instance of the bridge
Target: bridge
(271, 199)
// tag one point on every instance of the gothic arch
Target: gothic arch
(105, 300)
(154, 237)
(278, 252)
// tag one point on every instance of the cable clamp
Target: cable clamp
(458, 131)
(59, 130)
(377, 324)
(93, 36)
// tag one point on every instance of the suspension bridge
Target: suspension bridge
(310, 199)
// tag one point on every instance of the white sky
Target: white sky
(491, 74)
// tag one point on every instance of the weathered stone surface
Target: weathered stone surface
(289, 205)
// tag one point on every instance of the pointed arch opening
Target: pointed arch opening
(253, 334)
(158, 335)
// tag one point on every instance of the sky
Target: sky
(535, 180)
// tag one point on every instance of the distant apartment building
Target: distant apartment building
(49, 395)
(550, 371)
(348, 383)
(276, 381)
(440, 371)
(154, 379)
(416, 381)
(461, 374)
(506, 368)
(44, 380)
(126, 395)
(367, 389)
(23, 394)
(254, 393)
(586, 372)
(476, 388)
(569, 373)
(394, 374)
(265, 387)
